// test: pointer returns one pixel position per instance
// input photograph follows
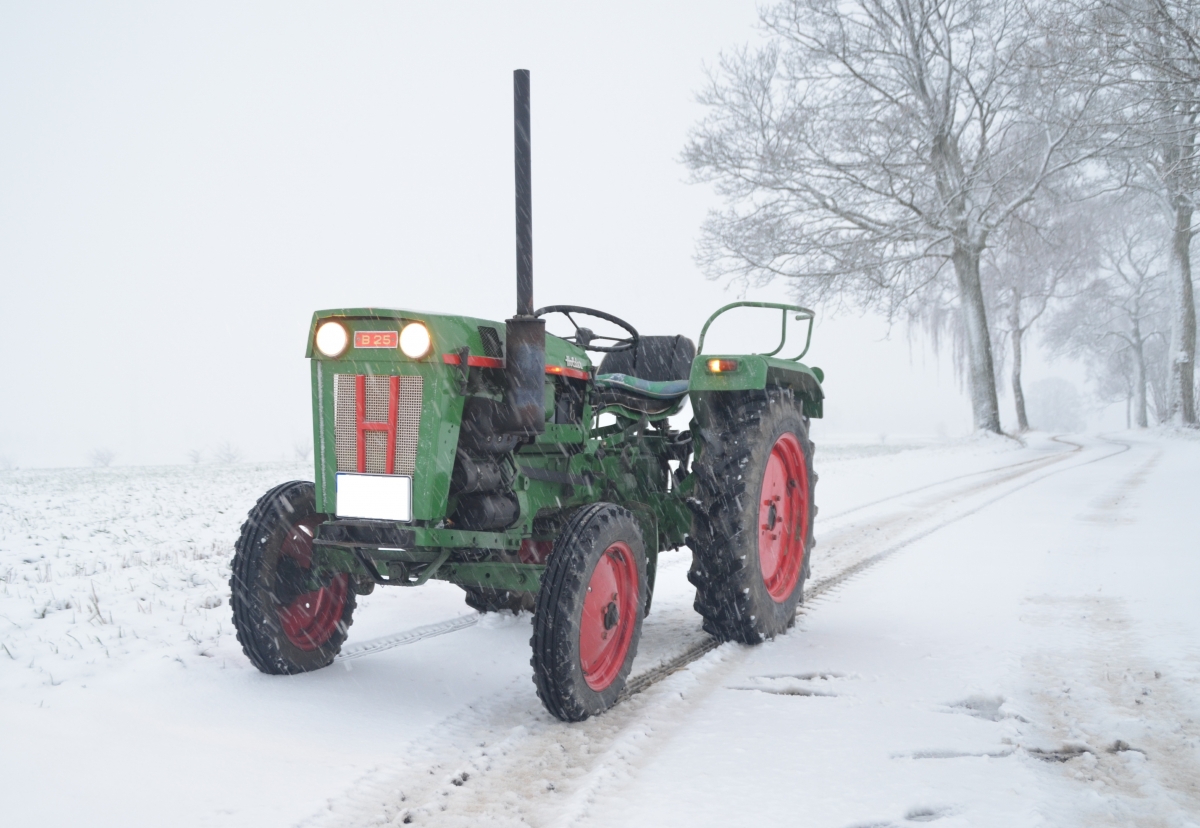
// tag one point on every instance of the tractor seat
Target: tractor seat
(668, 390)
(649, 379)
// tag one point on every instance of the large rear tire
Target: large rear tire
(753, 529)
(589, 612)
(286, 622)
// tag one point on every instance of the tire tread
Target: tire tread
(727, 446)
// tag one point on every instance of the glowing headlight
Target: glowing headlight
(415, 341)
(332, 338)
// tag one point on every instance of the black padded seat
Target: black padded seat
(661, 363)
(656, 358)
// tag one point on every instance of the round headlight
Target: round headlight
(332, 338)
(415, 341)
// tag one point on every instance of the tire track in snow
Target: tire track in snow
(938, 483)
(387, 642)
(399, 639)
(508, 763)
(1129, 731)
(645, 679)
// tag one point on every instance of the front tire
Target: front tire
(589, 612)
(286, 622)
(753, 532)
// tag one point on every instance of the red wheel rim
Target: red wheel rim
(610, 608)
(311, 618)
(783, 518)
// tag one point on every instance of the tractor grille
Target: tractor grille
(378, 398)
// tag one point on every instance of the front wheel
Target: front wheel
(589, 612)
(289, 619)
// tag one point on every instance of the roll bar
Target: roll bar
(801, 314)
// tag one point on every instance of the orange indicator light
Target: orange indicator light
(721, 366)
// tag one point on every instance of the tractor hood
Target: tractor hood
(448, 333)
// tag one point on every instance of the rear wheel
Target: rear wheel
(287, 620)
(589, 612)
(753, 534)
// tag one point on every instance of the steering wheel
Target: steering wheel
(584, 337)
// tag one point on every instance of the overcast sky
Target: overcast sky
(181, 185)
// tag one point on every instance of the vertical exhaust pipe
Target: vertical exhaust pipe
(525, 337)
(523, 163)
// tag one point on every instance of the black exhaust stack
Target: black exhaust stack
(525, 347)
(523, 164)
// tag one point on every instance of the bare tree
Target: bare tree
(1046, 252)
(1113, 324)
(1152, 51)
(195, 456)
(1113, 381)
(301, 449)
(102, 457)
(873, 146)
(227, 453)
(1056, 405)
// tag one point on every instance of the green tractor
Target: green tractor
(471, 451)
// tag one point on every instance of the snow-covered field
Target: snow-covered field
(997, 634)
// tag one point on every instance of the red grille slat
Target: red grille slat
(377, 423)
(363, 425)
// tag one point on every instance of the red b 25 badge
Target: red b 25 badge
(376, 339)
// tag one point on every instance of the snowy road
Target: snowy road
(977, 612)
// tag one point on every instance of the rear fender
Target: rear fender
(753, 374)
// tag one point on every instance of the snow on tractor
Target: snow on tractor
(470, 451)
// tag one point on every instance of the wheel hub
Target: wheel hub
(783, 517)
(612, 615)
(308, 616)
(291, 581)
(609, 616)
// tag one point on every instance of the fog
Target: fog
(182, 186)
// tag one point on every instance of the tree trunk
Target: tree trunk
(1181, 399)
(985, 408)
(1014, 321)
(1139, 383)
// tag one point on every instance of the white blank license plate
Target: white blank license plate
(374, 496)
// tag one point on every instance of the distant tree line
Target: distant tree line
(978, 167)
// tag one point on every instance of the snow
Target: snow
(1008, 605)
(924, 687)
